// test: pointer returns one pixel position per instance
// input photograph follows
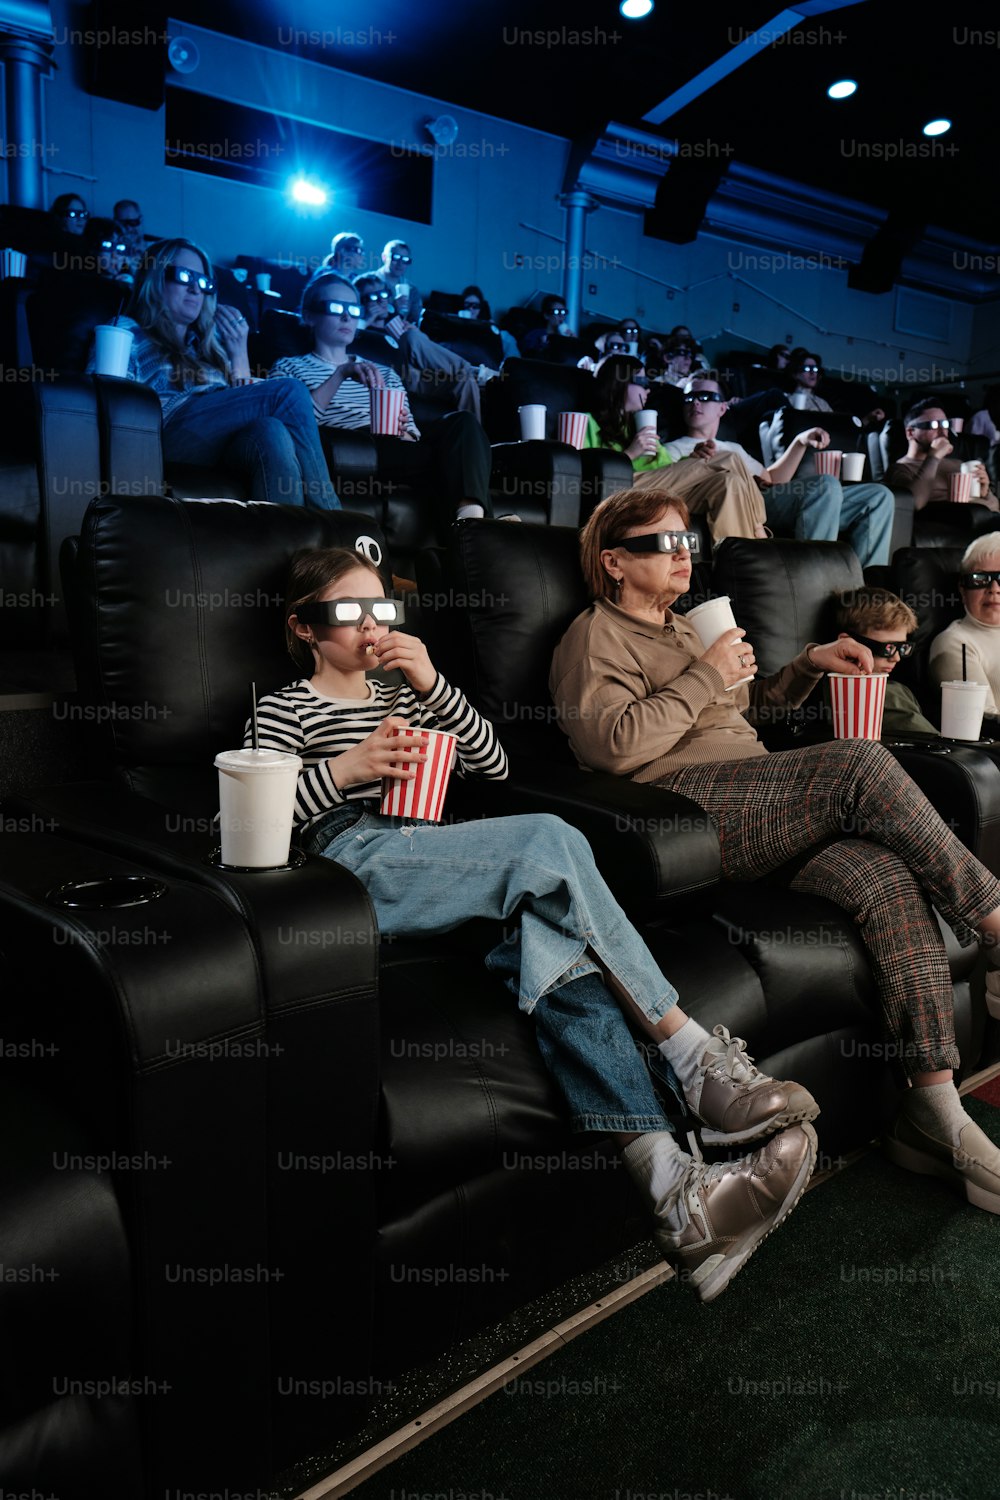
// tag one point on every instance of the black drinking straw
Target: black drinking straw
(253, 716)
(964, 678)
(121, 308)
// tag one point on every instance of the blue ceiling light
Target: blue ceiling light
(634, 10)
(842, 89)
(309, 193)
(937, 127)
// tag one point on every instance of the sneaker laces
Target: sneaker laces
(730, 1057)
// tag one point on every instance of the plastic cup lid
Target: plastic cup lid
(257, 760)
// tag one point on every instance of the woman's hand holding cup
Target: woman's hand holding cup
(643, 445)
(732, 657)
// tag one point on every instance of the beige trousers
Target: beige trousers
(720, 488)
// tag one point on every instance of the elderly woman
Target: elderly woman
(193, 353)
(639, 695)
(970, 647)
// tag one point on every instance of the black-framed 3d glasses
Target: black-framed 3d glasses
(375, 296)
(184, 277)
(75, 213)
(110, 245)
(944, 425)
(352, 612)
(661, 541)
(130, 223)
(978, 580)
(889, 649)
(403, 260)
(335, 309)
(704, 396)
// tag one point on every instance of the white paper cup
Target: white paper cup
(646, 418)
(112, 347)
(387, 408)
(960, 488)
(532, 423)
(828, 461)
(402, 290)
(262, 281)
(957, 423)
(858, 703)
(256, 806)
(633, 348)
(852, 468)
(572, 427)
(962, 706)
(712, 619)
(972, 468)
(13, 265)
(422, 796)
(800, 400)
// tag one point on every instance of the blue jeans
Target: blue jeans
(267, 431)
(537, 874)
(820, 508)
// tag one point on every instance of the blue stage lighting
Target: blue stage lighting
(304, 191)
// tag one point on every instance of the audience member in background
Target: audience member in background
(425, 363)
(69, 213)
(451, 459)
(804, 370)
(677, 362)
(776, 357)
(104, 249)
(986, 422)
(926, 468)
(883, 623)
(632, 334)
(347, 254)
(538, 342)
(474, 302)
(978, 631)
(395, 272)
(128, 217)
(720, 488)
(817, 508)
(683, 335)
(193, 354)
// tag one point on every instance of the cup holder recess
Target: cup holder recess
(108, 893)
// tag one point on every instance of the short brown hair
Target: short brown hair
(309, 573)
(610, 523)
(865, 610)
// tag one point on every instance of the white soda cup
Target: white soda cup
(256, 806)
(957, 424)
(828, 461)
(387, 408)
(852, 468)
(646, 418)
(976, 492)
(858, 704)
(112, 347)
(532, 423)
(572, 427)
(962, 706)
(422, 796)
(712, 619)
(800, 400)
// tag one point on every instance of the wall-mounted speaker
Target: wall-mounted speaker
(126, 52)
(682, 199)
(882, 258)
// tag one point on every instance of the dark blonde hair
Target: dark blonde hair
(309, 573)
(148, 308)
(611, 522)
(865, 610)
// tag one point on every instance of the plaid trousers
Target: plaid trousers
(900, 857)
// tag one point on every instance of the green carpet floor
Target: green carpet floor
(856, 1355)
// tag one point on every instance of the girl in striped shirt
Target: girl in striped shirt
(566, 931)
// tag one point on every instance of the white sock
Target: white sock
(656, 1164)
(470, 513)
(937, 1108)
(685, 1051)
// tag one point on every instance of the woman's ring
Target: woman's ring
(743, 661)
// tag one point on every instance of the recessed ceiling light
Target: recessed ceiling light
(843, 89)
(937, 127)
(634, 10)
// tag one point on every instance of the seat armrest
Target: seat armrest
(962, 782)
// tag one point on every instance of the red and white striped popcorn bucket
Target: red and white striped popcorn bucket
(572, 428)
(960, 488)
(857, 705)
(387, 407)
(828, 461)
(423, 795)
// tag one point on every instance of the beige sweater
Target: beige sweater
(635, 700)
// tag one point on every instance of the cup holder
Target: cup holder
(296, 859)
(109, 893)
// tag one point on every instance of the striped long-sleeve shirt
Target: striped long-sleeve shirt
(149, 364)
(300, 720)
(351, 405)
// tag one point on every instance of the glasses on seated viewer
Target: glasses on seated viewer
(661, 541)
(110, 245)
(375, 296)
(184, 277)
(336, 309)
(931, 426)
(351, 611)
(704, 396)
(889, 649)
(978, 580)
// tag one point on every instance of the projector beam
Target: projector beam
(738, 55)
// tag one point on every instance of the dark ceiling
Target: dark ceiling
(582, 65)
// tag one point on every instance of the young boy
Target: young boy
(882, 622)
